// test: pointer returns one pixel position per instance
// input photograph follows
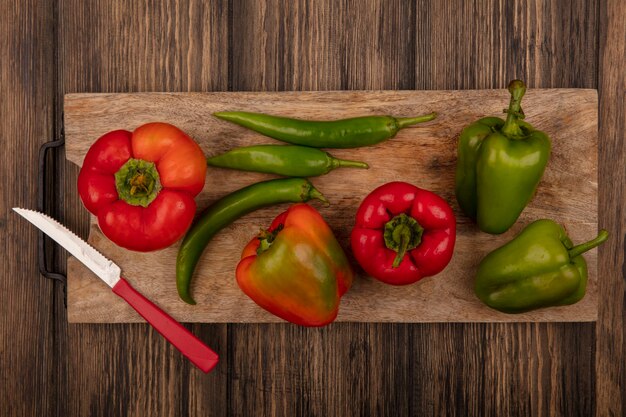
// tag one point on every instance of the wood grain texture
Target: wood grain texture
(513, 369)
(424, 155)
(485, 44)
(27, 338)
(611, 326)
(139, 46)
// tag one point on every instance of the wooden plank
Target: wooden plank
(611, 327)
(485, 44)
(27, 80)
(177, 45)
(424, 155)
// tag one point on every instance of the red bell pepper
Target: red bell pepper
(296, 269)
(403, 233)
(141, 185)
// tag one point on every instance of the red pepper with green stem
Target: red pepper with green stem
(141, 185)
(403, 233)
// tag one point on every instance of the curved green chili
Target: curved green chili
(287, 160)
(344, 133)
(228, 209)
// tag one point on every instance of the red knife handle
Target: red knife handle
(189, 345)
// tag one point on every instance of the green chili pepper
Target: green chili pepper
(540, 267)
(289, 160)
(228, 209)
(344, 133)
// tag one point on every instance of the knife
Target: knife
(189, 345)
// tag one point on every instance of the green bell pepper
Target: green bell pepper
(538, 268)
(499, 166)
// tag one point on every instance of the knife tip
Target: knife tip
(22, 211)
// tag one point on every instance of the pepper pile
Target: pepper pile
(228, 209)
(296, 269)
(499, 166)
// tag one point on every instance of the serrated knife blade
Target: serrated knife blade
(189, 345)
(107, 270)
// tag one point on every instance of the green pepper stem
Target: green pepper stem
(315, 193)
(266, 238)
(402, 233)
(137, 182)
(511, 127)
(345, 163)
(405, 238)
(403, 122)
(264, 244)
(584, 247)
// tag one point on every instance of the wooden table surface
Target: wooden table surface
(52, 47)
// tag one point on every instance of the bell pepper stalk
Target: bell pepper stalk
(141, 185)
(403, 233)
(296, 269)
(539, 268)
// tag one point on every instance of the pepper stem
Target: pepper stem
(137, 182)
(345, 163)
(314, 193)
(511, 127)
(405, 239)
(266, 238)
(403, 122)
(401, 234)
(584, 247)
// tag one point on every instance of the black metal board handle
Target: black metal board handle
(41, 198)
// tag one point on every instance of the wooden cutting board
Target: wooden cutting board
(424, 155)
